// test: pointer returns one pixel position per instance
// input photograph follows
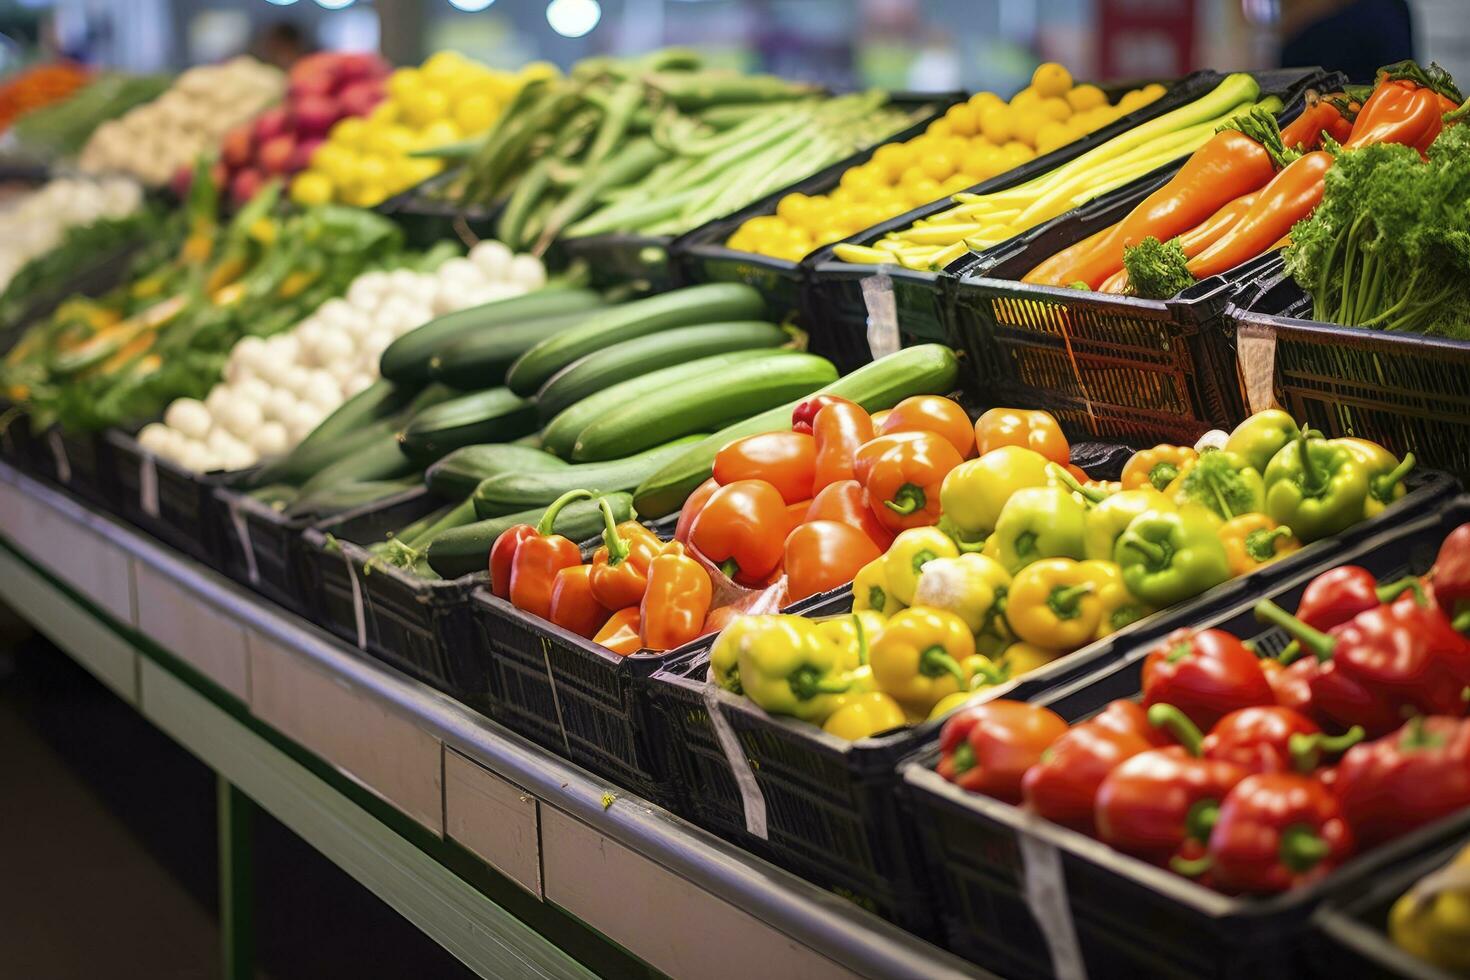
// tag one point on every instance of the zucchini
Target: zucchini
(639, 356)
(380, 460)
(346, 496)
(407, 358)
(560, 434)
(510, 492)
(929, 369)
(481, 359)
(465, 549)
(456, 475)
(495, 415)
(711, 303)
(703, 404)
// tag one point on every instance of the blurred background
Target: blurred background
(918, 44)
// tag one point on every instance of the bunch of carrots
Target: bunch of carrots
(39, 86)
(1239, 195)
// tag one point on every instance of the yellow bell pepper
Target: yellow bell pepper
(853, 635)
(1253, 540)
(919, 658)
(862, 715)
(972, 587)
(788, 668)
(724, 655)
(974, 492)
(951, 702)
(1110, 518)
(1118, 606)
(870, 590)
(1433, 923)
(909, 553)
(1053, 603)
(1022, 658)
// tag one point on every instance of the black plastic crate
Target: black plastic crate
(426, 217)
(263, 549)
(420, 626)
(838, 294)
(1350, 938)
(833, 811)
(623, 259)
(1130, 917)
(173, 504)
(702, 256)
(1409, 392)
(83, 463)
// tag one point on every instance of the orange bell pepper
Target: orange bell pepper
(620, 633)
(573, 606)
(822, 555)
(868, 452)
(796, 514)
(677, 600)
(785, 460)
(1156, 468)
(692, 506)
(846, 503)
(840, 429)
(619, 569)
(539, 557)
(741, 528)
(1253, 540)
(933, 413)
(1034, 430)
(903, 482)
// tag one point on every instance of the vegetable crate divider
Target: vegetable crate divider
(425, 218)
(835, 297)
(622, 259)
(1409, 392)
(89, 470)
(701, 254)
(833, 808)
(1350, 930)
(420, 626)
(173, 504)
(1132, 918)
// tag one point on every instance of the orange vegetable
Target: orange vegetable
(822, 555)
(933, 413)
(840, 430)
(785, 460)
(741, 528)
(903, 483)
(1034, 430)
(573, 607)
(620, 633)
(674, 607)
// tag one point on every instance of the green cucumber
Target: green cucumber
(380, 460)
(711, 303)
(929, 369)
(482, 358)
(703, 404)
(495, 415)
(465, 549)
(345, 496)
(510, 492)
(456, 475)
(641, 355)
(560, 434)
(407, 358)
(340, 434)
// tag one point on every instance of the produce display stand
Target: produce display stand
(517, 862)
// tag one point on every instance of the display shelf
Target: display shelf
(515, 861)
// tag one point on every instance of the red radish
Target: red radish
(182, 179)
(315, 85)
(359, 98)
(360, 64)
(301, 156)
(315, 115)
(272, 123)
(219, 174)
(275, 156)
(236, 147)
(245, 185)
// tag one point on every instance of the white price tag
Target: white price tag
(882, 315)
(58, 450)
(1046, 895)
(1255, 350)
(359, 615)
(242, 532)
(555, 701)
(148, 485)
(751, 797)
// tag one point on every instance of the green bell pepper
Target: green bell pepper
(1261, 437)
(786, 668)
(1169, 556)
(1036, 523)
(1223, 482)
(1385, 473)
(1107, 520)
(1317, 487)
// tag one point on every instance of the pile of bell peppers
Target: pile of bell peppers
(637, 592)
(1253, 774)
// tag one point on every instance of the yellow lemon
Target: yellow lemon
(311, 187)
(939, 166)
(981, 101)
(893, 158)
(1053, 135)
(923, 191)
(1051, 79)
(475, 113)
(1027, 124)
(350, 132)
(405, 83)
(1055, 109)
(963, 120)
(1084, 97)
(939, 127)
(997, 123)
(440, 133)
(443, 66)
(1027, 96)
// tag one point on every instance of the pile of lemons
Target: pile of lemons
(446, 99)
(972, 142)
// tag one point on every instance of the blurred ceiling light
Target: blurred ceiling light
(573, 18)
(470, 6)
(281, 3)
(334, 4)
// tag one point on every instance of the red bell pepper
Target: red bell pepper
(1450, 576)
(742, 528)
(1292, 685)
(1129, 716)
(1160, 805)
(987, 748)
(822, 555)
(1275, 831)
(1406, 779)
(785, 460)
(847, 503)
(1062, 787)
(1337, 595)
(1383, 664)
(804, 415)
(503, 554)
(840, 429)
(1206, 674)
(903, 481)
(1273, 738)
(539, 557)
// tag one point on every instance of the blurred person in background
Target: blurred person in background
(281, 44)
(1356, 37)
